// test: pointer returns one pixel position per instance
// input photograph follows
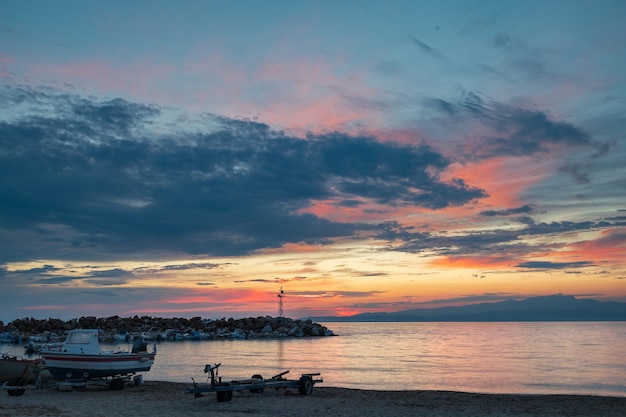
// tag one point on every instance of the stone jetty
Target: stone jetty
(157, 328)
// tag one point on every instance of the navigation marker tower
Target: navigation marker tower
(281, 294)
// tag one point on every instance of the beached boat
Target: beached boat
(19, 370)
(81, 359)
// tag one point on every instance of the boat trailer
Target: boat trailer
(113, 382)
(255, 384)
(16, 387)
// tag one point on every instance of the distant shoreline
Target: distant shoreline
(553, 308)
(340, 320)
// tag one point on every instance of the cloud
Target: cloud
(578, 172)
(180, 267)
(506, 130)
(553, 265)
(425, 48)
(34, 271)
(111, 273)
(494, 130)
(88, 179)
(275, 280)
(390, 305)
(525, 209)
(464, 299)
(499, 247)
(332, 294)
(88, 190)
(476, 298)
(441, 106)
(114, 117)
(55, 280)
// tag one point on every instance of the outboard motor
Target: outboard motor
(140, 346)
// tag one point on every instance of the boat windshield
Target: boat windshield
(79, 338)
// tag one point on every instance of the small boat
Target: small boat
(196, 335)
(37, 338)
(123, 336)
(10, 337)
(81, 359)
(19, 370)
(32, 347)
(238, 334)
(172, 335)
(152, 334)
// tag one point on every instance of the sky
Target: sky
(192, 158)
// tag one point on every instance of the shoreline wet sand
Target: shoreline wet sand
(161, 398)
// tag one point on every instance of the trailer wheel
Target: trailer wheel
(117, 384)
(224, 396)
(306, 385)
(15, 382)
(256, 390)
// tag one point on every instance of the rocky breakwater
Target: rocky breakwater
(157, 328)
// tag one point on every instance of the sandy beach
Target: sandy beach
(157, 398)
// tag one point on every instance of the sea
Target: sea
(504, 357)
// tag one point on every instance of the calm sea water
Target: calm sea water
(529, 358)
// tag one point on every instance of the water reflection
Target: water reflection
(573, 358)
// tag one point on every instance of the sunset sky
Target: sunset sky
(190, 158)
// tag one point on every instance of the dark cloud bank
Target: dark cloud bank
(83, 179)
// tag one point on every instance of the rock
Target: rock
(251, 327)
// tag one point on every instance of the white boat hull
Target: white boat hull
(80, 367)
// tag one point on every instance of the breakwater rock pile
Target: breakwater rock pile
(156, 328)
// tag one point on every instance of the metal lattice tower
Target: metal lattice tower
(281, 294)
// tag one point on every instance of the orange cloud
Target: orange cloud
(208, 296)
(473, 262)
(504, 179)
(292, 248)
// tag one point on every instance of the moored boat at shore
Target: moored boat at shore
(32, 347)
(10, 337)
(153, 334)
(123, 336)
(172, 335)
(81, 359)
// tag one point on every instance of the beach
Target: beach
(159, 398)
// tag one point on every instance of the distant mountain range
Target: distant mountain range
(548, 308)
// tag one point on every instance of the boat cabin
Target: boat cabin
(82, 341)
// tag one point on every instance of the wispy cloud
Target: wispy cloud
(425, 48)
(553, 265)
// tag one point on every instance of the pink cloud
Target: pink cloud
(475, 262)
(209, 296)
(608, 248)
(292, 94)
(503, 179)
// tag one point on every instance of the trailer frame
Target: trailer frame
(256, 383)
(16, 388)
